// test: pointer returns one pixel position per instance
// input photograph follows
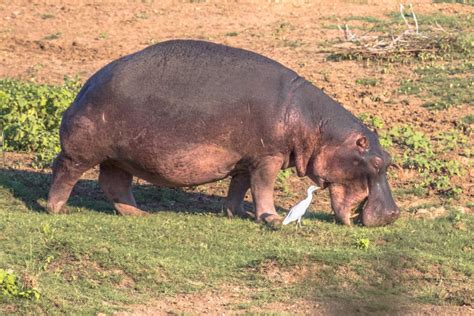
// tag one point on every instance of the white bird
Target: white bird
(299, 209)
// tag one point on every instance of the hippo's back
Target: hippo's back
(194, 75)
(181, 82)
(178, 95)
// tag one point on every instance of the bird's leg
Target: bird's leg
(298, 222)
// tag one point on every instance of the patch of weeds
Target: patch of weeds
(361, 242)
(336, 27)
(30, 115)
(423, 154)
(52, 36)
(46, 16)
(292, 43)
(368, 19)
(455, 217)
(468, 119)
(444, 86)
(469, 2)
(282, 180)
(450, 140)
(282, 27)
(10, 287)
(231, 34)
(141, 15)
(103, 35)
(419, 154)
(372, 82)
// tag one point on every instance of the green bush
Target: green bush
(420, 154)
(30, 115)
(423, 154)
(10, 287)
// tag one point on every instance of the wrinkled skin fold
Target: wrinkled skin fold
(369, 194)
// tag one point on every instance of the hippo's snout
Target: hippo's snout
(379, 213)
(387, 217)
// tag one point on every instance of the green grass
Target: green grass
(91, 261)
(443, 86)
(368, 19)
(367, 82)
(231, 34)
(468, 119)
(52, 36)
(470, 2)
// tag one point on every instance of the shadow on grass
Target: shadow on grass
(321, 217)
(32, 188)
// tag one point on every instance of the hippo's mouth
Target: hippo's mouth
(356, 212)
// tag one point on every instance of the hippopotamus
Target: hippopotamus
(184, 112)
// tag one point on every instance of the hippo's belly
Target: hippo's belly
(198, 164)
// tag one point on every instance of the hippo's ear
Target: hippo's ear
(362, 143)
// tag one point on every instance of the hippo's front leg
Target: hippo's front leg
(262, 181)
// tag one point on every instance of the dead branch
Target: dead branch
(414, 17)
(409, 42)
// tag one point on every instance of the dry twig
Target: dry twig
(409, 42)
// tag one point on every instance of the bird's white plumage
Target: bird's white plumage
(297, 211)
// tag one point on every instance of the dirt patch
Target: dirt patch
(236, 301)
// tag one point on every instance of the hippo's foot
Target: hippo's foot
(116, 184)
(272, 219)
(344, 218)
(238, 211)
(57, 208)
(238, 187)
(128, 210)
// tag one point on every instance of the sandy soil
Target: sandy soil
(47, 40)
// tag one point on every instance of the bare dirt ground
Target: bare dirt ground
(47, 40)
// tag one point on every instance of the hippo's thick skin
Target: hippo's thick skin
(183, 113)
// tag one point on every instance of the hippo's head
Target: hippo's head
(355, 171)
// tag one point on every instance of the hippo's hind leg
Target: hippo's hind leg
(66, 172)
(262, 182)
(117, 186)
(234, 204)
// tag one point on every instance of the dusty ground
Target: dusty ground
(47, 40)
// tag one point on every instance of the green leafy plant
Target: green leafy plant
(423, 154)
(362, 242)
(419, 154)
(11, 287)
(282, 180)
(30, 115)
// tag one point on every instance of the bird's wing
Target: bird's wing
(296, 212)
